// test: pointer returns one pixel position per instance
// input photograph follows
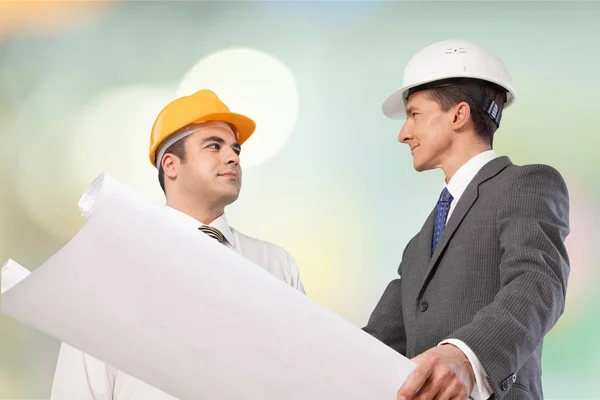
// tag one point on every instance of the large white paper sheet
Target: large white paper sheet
(140, 289)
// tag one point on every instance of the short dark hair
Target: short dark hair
(477, 94)
(178, 150)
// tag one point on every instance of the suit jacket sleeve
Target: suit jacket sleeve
(386, 322)
(532, 222)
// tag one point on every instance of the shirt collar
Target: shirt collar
(465, 174)
(220, 223)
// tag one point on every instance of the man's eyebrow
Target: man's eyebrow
(220, 140)
(213, 139)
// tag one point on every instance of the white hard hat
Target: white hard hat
(446, 60)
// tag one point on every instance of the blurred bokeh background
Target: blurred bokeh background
(80, 84)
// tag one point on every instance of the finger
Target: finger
(421, 393)
(439, 382)
(416, 359)
(428, 391)
(442, 384)
(415, 381)
(453, 391)
(465, 397)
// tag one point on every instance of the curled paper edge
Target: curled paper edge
(12, 273)
(90, 196)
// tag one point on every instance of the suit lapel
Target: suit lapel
(425, 238)
(463, 206)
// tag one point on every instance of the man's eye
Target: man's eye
(215, 146)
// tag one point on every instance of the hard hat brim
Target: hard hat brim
(394, 106)
(243, 125)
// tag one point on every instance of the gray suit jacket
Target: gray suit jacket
(497, 279)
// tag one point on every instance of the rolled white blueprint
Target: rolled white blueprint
(140, 289)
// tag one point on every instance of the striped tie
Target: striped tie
(213, 233)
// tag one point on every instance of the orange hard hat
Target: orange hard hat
(202, 106)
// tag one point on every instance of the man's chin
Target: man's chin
(230, 197)
(419, 167)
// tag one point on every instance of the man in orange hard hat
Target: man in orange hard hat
(195, 145)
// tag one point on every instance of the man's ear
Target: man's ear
(170, 165)
(460, 114)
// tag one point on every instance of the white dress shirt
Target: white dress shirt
(79, 376)
(457, 186)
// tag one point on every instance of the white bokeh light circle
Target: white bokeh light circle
(112, 134)
(257, 85)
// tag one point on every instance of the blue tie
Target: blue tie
(441, 212)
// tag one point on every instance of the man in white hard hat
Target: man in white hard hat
(485, 279)
(195, 145)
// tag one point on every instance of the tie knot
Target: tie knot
(213, 233)
(446, 197)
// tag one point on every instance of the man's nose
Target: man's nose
(405, 134)
(232, 157)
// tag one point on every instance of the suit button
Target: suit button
(423, 306)
(505, 386)
(514, 378)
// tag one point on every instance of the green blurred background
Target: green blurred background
(80, 84)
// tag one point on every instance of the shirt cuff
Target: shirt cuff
(481, 389)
